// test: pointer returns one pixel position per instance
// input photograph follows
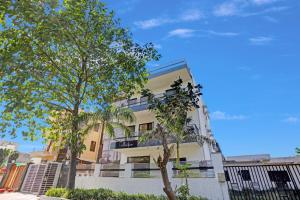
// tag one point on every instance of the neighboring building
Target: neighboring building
(260, 159)
(52, 153)
(8, 145)
(263, 175)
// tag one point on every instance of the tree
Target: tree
(64, 56)
(110, 118)
(297, 150)
(7, 156)
(171, 112)
(4, 153)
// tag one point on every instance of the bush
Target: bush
(103, 194)
(56, 192)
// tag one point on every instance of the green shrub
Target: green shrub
(56, 192)
(103, 194)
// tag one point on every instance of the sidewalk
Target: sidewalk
(17, 196)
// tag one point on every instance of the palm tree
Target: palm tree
(110, 118)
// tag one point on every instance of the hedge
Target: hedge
(104, 194)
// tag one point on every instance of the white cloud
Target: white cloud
(263, 2)
(157, 46)
(181, 32)
(226, 9)
(184, 33)
(219, 115)
(188, 15)
(292, 120)
(270, 19)
(191, 15)
(151, 23)
(239, 8)
(260, 40)
(225, 34)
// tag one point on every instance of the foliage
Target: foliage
(171, 112)
(57, 192)
(7, 156)
(183, 192)
(297, 151)
(65, 57)
(104, 194)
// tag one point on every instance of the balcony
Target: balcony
(138, 104)
(133, 141)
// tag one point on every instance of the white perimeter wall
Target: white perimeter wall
(205, 187)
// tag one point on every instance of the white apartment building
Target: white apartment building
(128, 164)
(130, 150)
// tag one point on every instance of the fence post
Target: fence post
(97, 170)
(127, 172)
(217, 162)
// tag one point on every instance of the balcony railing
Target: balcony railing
(133, 141)
(195, 169)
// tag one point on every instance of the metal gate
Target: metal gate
(267, 182)
(40, 177)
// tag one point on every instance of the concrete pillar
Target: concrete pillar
(217, 162)
(97, 170)
(127, 172)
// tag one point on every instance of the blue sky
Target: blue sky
(246, 54)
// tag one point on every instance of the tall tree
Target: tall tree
(111, 118)
(66, 56)
(171, 112)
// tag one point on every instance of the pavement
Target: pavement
(17, 196)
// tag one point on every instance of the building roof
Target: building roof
(260, 159)
(170, 67)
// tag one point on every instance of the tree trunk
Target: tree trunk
(167, 185)
(72, 170)
(177, 154)
(100, 149)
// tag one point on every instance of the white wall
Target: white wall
(205, 187)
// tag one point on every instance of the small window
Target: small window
(132, 101)
(96, 127)
(145, 127)
(93, 146)
(245, 174)
(279, 176)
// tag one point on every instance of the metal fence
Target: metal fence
(267, 182)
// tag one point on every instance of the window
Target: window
(279, 176)
(138, 159)
(170, 92)
(131, 128)
(96, 127)
(132, 101)
(245, 174)
(93, 146)
(227, 177)
(145, 127)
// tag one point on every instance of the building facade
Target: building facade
(123, 149)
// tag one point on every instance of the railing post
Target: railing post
(97, 170)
